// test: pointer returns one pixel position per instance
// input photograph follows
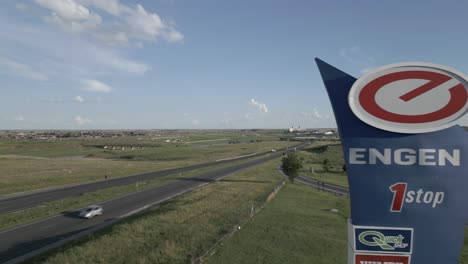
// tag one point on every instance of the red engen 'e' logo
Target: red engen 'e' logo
(410, 97)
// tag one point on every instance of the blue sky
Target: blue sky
(97, 64)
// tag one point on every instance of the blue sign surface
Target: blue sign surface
(383, 240)
(419, 181)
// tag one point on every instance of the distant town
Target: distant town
(155, 134)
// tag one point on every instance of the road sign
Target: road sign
(410, 97)
(380, 259)
(406, 160)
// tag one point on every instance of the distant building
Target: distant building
(293, 129)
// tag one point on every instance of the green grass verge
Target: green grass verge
(156, 147)
(73, 203)
(25, 173)
(198, 152)
(316, 153)
(333, 177)
(179, 231)
(464, 254)
(296, 227)
(313, 157)
(19, 174)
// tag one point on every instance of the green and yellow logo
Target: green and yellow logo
(374, 239)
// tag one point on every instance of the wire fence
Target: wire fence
(246, 212)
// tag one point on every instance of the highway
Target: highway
(11, 204)
(25, 241)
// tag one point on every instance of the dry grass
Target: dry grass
(28, 167)
(73, 203)
(313, 157)
(296, 227)
(180, 230)
(25, 173)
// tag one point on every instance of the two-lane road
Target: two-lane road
(21, 202)
(25, 241)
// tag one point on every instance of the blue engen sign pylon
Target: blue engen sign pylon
(408, 190)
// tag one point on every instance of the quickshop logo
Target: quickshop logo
(383, 239)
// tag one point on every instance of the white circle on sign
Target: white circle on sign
(410, 97)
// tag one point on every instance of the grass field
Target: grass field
(296, 227)
(316, 153)
(178, 231)
(313, 158)
(73, 203)
(25, 173)
(160, 150)
(464, 255)
(29, 165)
(195, 152)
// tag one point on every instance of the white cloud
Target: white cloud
(315, 114)
(112, 7)
(195, 122)
(144, 24)
(20, 69)
(50, 55)
(123, 23)
(79, 99)
(149, 26)
(86, 59)
(116, 62)
(72, 25)
(70, 15)
(186, 114)
(68, 9)
(260, 106)
(95, 86)
(80, 121)
(173, 36)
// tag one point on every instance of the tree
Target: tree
(326, 165)
(291, 164)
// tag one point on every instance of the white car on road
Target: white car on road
(91, 211)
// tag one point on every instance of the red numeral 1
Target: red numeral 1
(399, 191)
